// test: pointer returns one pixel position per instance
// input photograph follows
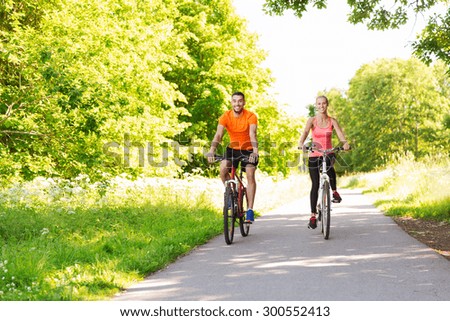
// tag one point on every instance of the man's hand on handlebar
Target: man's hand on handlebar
(211, 157)
(253, 158)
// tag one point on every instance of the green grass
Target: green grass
(77, 240)
(409, 188)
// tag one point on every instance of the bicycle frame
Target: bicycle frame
(324, 195)
(237, 185)
(324, 178)
(235, 196)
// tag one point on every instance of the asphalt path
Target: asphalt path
(367, 257)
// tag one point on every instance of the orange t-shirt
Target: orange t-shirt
(239, 128)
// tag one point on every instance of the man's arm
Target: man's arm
(215, 142)
(254, 141)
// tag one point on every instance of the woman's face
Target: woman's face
(321, 105)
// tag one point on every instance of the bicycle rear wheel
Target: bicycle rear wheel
(243, 205)
(326, 209)
(229, 216)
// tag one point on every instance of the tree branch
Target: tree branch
(18, 132)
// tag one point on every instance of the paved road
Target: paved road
(368, 257)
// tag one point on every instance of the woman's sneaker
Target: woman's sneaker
(336, 197)
(312, 223)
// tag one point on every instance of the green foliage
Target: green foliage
(278, 7)
(278, 136)
(89, 74)
(222, 57)
(393, 106)
(103, 86)
(410, 188)
(434, 41)
(81, 240)
(78, 240)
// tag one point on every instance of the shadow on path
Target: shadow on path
(368, 257)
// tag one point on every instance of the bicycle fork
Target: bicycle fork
(323, 178)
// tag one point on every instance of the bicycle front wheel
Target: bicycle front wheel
(326, 210)
(243, 206)
(229, 216)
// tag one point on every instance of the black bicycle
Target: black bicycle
(235, 203)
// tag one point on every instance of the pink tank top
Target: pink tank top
(321, 136)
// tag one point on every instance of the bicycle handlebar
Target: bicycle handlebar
(324, 151)
(218, 158)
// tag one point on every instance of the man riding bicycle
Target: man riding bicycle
(241, 125)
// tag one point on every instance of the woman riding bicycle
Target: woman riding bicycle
(321, 127)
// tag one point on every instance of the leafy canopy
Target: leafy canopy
(394, 106)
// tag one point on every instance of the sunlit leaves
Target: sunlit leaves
(82, 75)
(394, 106)
(434, 41)
(278, 7)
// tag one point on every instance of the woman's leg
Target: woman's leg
(331, 172)
(313, 166)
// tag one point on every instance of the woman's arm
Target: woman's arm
(340, 133)
(305, 132)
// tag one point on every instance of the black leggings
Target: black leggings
(315, 166)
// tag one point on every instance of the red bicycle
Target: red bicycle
(235, 203)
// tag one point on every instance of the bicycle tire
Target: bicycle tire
(228, 215)
(243, 205)
(326, 210)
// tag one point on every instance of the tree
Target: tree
(434, 41)
(87, 74)
(393, 106)
(93, 86)
(221, 57)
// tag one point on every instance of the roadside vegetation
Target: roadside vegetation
(409, 188)
(82, 240)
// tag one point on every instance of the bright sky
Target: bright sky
(320, 51)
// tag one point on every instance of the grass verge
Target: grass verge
(409, 188)
(78, 240)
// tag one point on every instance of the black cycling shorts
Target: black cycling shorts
(234, 156)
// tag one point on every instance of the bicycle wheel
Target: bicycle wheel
(326, 209)
(228, 215)
(243, 205)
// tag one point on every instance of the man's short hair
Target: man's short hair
(238, 93)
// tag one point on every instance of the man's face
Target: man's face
(238, 103)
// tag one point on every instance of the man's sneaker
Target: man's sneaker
(312, 223)
(250, 217)
(336, 197)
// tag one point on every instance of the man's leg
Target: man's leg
(225, 166)
(251, 184)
